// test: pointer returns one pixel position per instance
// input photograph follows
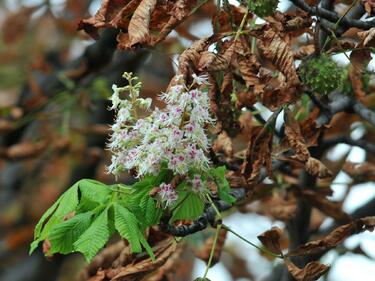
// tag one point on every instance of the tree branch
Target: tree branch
(333, 16)
(364, 112)
(369, 147)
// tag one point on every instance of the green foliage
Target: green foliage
(95, 209)
(63, 235)
(95, 237)
(189, 205)
(263, 8)
(127, 225)
(322, 75)
(88, 213)
(218, 175)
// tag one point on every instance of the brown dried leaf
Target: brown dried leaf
(224, 144)
(138, 28)
(359, 60)
(335, 238)
(258, 153)
(190, 57)
(275, 49)
(112, 13)
(104, 259)
(312, 271)
(271, 240)
(292, 24)
(249, 67)
(303, 51)
(146, 266)
(294, 137)
(179, 13)
(369, 6)
(245, 99)
(228, 17)
(367, 37)
(316, 168)
(309, 129)
(217, 62)
(164, 272)
(99, 276)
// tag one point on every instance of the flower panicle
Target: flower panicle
(174, 136)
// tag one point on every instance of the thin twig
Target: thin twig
(333, 16)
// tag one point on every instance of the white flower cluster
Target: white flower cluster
(174, 137)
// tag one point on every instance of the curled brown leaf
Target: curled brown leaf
(271, 240)
(316, 168)
(335, 238)
(312, 271)
(294, 136)
(138, 28)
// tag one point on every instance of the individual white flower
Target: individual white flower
(201, 79)
(145, 103)
(115, 98)
(124, 114)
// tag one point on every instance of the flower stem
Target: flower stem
(218, 228)
(214, 206)
(238, 33)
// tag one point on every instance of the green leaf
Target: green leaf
(94, 191)
(151, 213)
(63, 235)
(223, 185)
(127, 225)
(95, 237)
(189, 206)
(67, 203)
(146, 246)
(46, 215)
(93, 194)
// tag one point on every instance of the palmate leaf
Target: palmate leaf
(97, 214)
(92, 194)
(63, 235)
(95, 237)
